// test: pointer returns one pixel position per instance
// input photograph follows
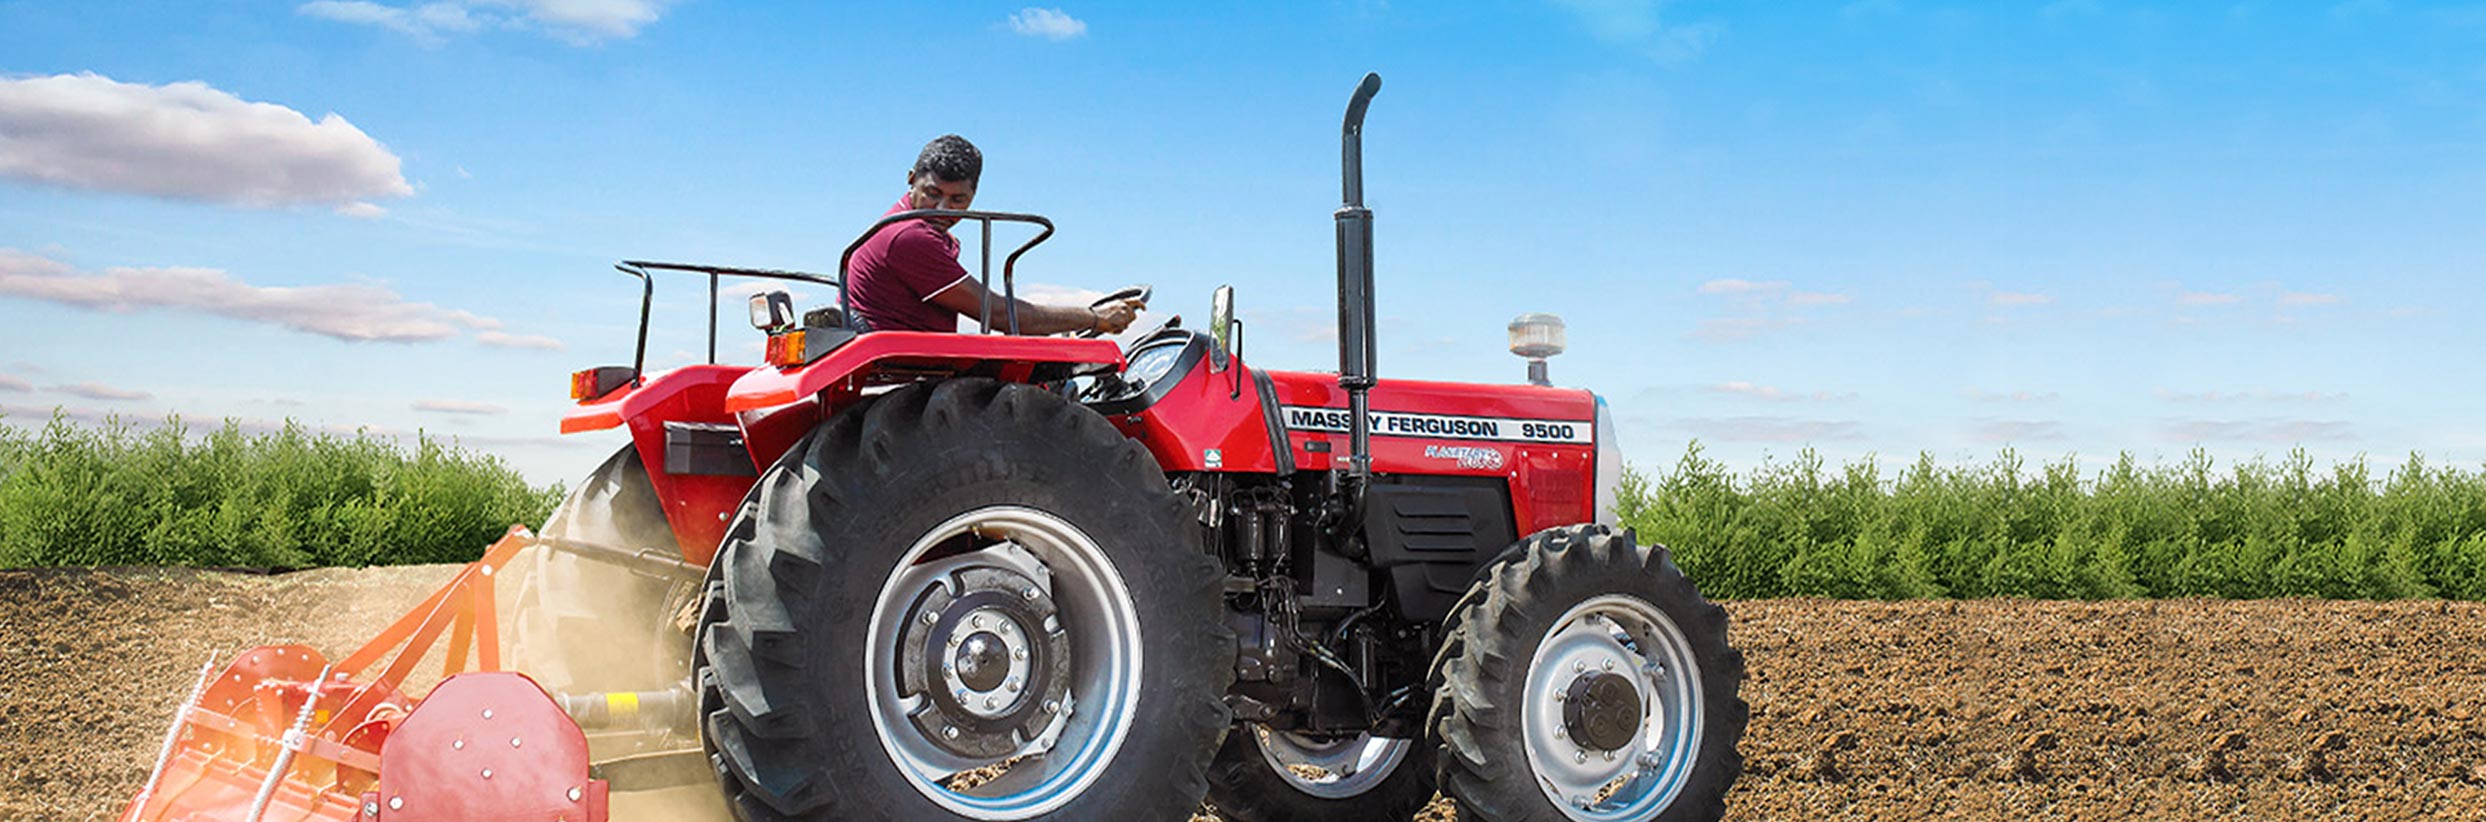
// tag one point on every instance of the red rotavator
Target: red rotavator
(919, 576)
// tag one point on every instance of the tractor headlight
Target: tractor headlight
(1609, 466)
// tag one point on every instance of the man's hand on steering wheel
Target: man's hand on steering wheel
(1112, 319)
(1116, 311)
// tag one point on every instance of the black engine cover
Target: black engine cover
(1432, 533)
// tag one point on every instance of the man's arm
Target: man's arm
(967, 298)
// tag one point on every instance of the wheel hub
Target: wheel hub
(1613, 722)
(1602, 710)
(986, 653)
(983, 663)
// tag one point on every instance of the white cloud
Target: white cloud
(577, 21)
(9, 383)
(1770, 429)
(2302, 298)
(98, 391)
(425, 23)
(2009, 431)
(2268, 431)
(2257, 395)
(462, 407)
(187, 141)
(353, 312)
(1774, 394)
(1982, 395)
(1051, 294)
(497, 339)
(36, 412)
(2019, 298)
(2208, 298)
(1757, 307)
(1641, 23)
(1050, 24)
(1736, 286)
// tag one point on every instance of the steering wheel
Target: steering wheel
(1136, 292)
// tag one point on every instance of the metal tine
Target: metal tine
(291, 744)
(181, 717)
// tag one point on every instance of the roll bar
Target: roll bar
(1009, 265)
(1009, 269)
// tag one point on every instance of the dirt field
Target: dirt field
(1976, 710)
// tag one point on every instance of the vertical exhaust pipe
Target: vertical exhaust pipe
(1355, 298)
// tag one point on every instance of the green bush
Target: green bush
(2254, 529)
(114, 494)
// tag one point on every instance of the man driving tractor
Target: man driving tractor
(907, 276)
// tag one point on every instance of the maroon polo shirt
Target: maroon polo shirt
(891, 279)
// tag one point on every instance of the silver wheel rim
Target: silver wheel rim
(1092, 719)
(1641, 779)
(1349, 766)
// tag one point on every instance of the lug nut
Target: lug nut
(1030, 594)
(931, 618)
(1579, 756)
(1579, 666)
(1052, 707)
(949, 732)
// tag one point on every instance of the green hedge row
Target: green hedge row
(2253, 529)
(116, 494)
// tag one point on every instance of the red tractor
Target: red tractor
(921, 576)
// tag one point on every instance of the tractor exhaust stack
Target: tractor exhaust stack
(1355, 298)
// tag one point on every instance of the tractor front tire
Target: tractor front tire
(963, 600)
(1587, 680)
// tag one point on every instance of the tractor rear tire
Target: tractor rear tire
(583, 626)
(1254, 779)
(823, 669)
(1586, 679)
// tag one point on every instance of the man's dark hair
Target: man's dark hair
(949, 158)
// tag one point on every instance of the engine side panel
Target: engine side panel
(1540, 441)
(1430, 534)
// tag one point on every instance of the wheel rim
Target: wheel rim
(1052, 698)
(1349, 767)
(1615, 759)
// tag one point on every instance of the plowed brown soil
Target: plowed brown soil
(1973, 710)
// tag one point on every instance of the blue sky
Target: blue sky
(1874, 227)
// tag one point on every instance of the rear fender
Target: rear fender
(696, 505)
(890, 357)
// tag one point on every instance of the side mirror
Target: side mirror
(1221, 326)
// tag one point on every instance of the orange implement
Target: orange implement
(282, 734)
